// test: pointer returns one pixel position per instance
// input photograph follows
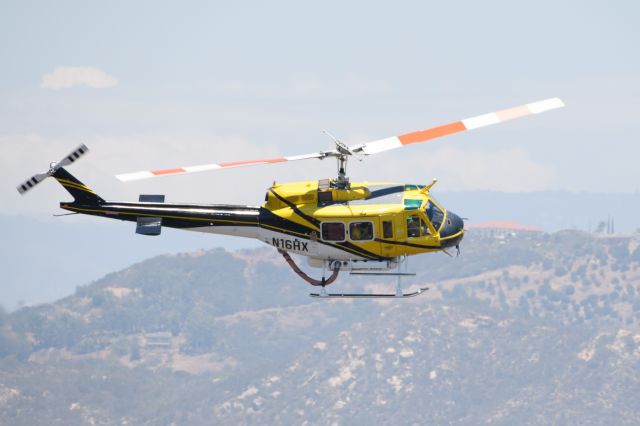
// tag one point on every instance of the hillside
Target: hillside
(523, 329)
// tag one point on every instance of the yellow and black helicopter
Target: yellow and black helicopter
(365, 228)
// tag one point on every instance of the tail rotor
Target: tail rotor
(34, 180)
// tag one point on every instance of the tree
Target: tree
(198, 328)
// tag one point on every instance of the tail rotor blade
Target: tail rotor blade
(31, 182)
(77, 153)
(36, 179)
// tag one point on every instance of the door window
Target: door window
(361, 231)
(387, 229)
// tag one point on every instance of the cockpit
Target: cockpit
(435, 214)
(433, 218)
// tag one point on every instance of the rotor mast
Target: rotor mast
(342, 182)
(342, 153)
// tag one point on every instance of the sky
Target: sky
(155, 84)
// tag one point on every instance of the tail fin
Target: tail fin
(81, 193)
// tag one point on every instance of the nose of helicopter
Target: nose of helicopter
(452, 232)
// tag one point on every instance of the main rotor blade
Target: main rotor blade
(373, 147)
(394, 142)
(126, 177)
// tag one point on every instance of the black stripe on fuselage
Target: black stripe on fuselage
(174, 215)
(404, 243)
(296, 210)
(347, 246)
(271, 221)
(385, 191)
(193, 215)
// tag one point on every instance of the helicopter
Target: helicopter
(365, 228)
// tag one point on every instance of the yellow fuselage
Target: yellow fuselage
(383, 220)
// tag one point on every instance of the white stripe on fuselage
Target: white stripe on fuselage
(234, 231)
(290, 243)
(305, 247)
(183, 210)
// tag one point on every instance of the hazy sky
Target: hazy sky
(162, 84)
(153, 84)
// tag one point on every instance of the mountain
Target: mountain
(36, 254)
(532, 328)
(549, 211)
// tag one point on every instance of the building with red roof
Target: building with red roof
(503, 229)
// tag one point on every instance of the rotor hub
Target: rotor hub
(52, 168)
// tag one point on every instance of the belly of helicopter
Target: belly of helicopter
(308, 247)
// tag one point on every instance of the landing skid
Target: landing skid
(324, 294)
(399, 294)
(388, 274)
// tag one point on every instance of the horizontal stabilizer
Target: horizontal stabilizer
(149, 225)
(149, 198)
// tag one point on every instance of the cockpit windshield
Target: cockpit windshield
(434, 214)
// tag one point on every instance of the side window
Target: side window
(424, 229)
(361, 231)
(387, 229)
(333, 231)
(413, 226)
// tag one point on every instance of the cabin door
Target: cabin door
(390, 232)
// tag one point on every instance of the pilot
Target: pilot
(424, 228)
(413, 226)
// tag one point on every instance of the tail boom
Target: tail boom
(211, 218)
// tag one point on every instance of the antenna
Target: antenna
(326, 132)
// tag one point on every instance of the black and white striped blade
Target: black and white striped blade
(31, 182)
(36, 179)
(77, 153)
